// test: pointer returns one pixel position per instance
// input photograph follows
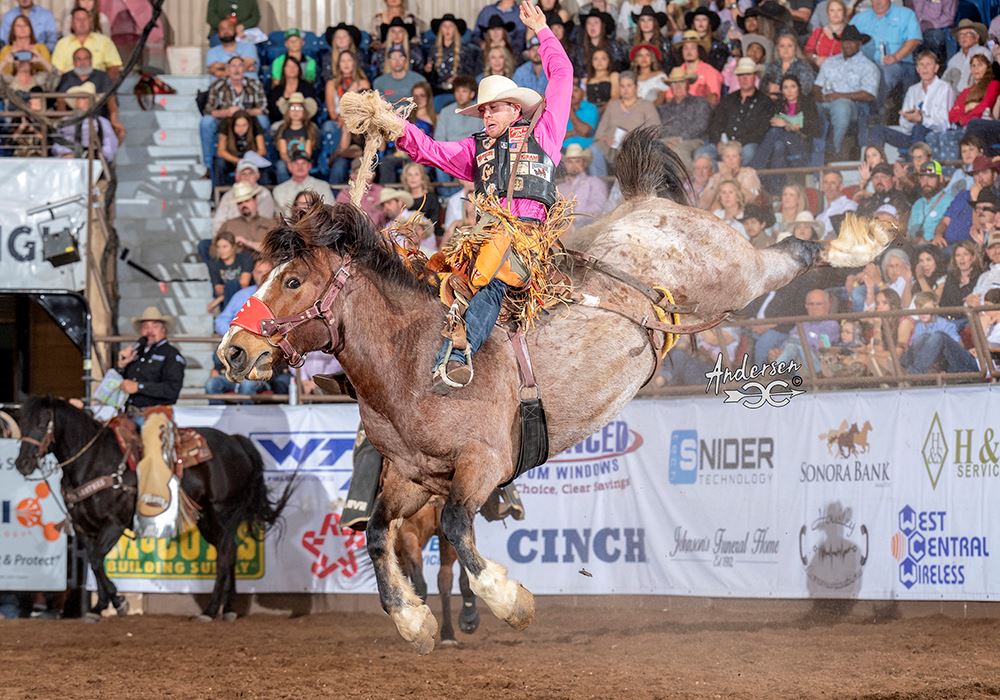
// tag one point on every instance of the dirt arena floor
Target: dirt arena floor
(586, 650)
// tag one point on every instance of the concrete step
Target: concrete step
(168, 103)
(144, 287)
(162, 136)
(141, 171)
(165, 155)
(163, 208)
(190, 313)
(155, 187)
(175, 250)
(167, 271)
(160, 119)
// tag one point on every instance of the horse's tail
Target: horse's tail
(647, 167)
(259, 512)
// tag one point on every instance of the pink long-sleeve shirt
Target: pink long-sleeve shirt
(457, 158)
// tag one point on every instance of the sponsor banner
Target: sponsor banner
(876, 495)
(32, 541)
(27, 184)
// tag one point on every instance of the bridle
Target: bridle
(43, 446)
(256, 317)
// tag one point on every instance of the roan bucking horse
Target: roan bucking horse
(228, 489)
(340, 288)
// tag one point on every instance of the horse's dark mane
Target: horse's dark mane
(37, 410)
(345, 229)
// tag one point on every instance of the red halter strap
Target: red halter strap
(257, 318)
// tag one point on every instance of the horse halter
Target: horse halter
(257, 317)
(42, 446)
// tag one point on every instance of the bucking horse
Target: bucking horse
(339, 287)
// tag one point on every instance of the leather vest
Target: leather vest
(535, 176)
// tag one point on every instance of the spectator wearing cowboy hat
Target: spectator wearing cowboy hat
(249, 228)
(651, 81)
(450, 57)
(398, 80)
(598, 33)
(411, 229)
(706, 23)
(342, 38)
(895, 33)
(685, 117)
(743, 116)
(530, 74)
(297, 131)
(247, 171)
(925, 108)
(957, 220)
(299, 164)
(79, 134)
(690, 54)
(846, 85)
(562, 29)
(590, 192)
(971, 37)
(398, 33)
(884, 184)
(496, 35)
(153, 374)
(930, 208)
(507, 16)
(626, 24)
(649, 26)
(990, 279)
(293, 47)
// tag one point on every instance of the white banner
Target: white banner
(32, 545)
(27, 184)
(875, 495)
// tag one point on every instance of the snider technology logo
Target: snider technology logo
(716, 461)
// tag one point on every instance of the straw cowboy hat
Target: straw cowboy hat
(152, 313)
(747, 66)
(242, 191)
(575, 150)
(297, 98)
(82, 89)
(499, 88)
(679, 75)
(388, 193)
(978, 28)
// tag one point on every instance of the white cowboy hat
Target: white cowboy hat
(806, 217)
(499, 88)
(575, 150)
(747, 66)
(242, 191)
(152, 313)
(388, 193)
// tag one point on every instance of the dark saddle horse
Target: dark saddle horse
(229, 489)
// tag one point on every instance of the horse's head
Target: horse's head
(298, 308)
(38, 433)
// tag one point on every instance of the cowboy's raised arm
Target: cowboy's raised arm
(454, 157)
(551, 129)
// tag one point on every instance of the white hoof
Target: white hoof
(523, 613)
(449, 643)
(506, 598)
(201, 618)
(91, 617)
(416, 624)
(229, 617)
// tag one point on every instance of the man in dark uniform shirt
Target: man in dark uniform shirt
(153, 374)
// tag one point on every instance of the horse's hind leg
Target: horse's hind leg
(446, 575)
(506, 598)
(399, 499)
(468, 619)
(220, 531)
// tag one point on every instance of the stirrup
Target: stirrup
(441, 371)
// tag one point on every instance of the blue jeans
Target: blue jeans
(209, 129)
(840, 114)
(765, 342)
(480, 317)
(941, 42)
(329, 140)
(881, 135)
(929, 348)
(281, 173)
(10, 606)
(221, 385)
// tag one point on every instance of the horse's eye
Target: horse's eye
(293, 283)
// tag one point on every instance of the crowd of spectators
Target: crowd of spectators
(73, 55)
(889, 111)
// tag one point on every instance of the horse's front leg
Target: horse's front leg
(476, 476)
(399, 499)
(98, 548)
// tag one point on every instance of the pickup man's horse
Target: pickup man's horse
(229, 490)
(339, 287)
